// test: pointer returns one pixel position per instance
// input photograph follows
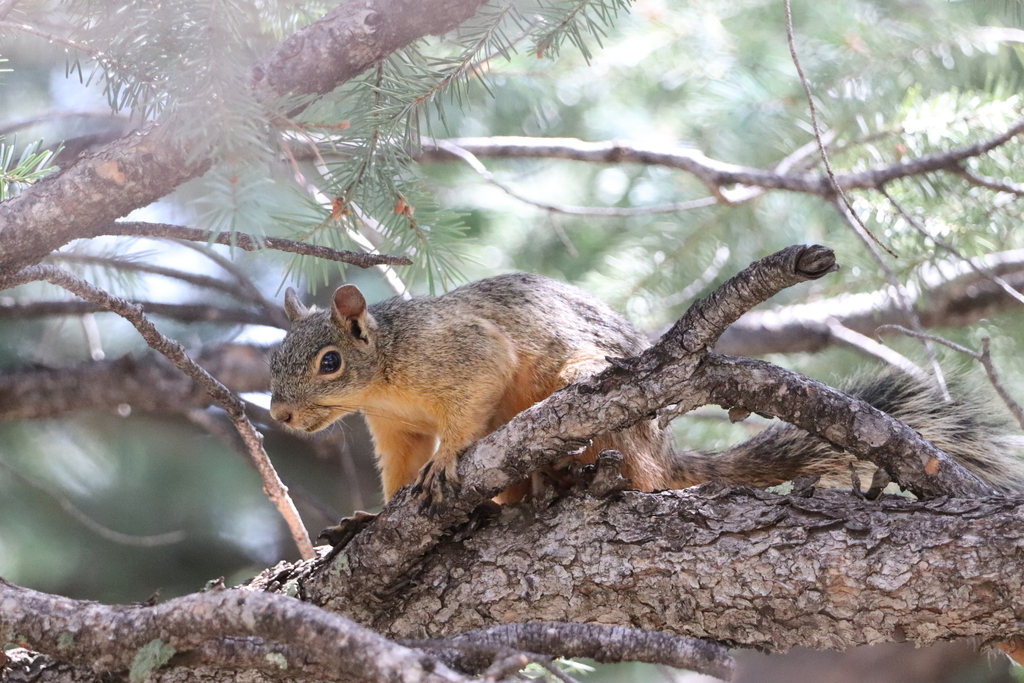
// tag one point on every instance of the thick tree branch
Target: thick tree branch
(822, 569)
(350, 39)
(850, 424)
(819, 569)
(145, 165)
(149, 383)
(109, 638)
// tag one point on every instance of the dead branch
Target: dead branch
(603, 643)
(850, 424)
(984, 357)
(196, 280)
(715, 174)
(816, 127)
(193, 313)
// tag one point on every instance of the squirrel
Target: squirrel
(432, 375)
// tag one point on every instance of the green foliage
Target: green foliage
(18, 170)
(185, 61)
(587, 19)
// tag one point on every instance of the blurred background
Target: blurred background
(117, 480)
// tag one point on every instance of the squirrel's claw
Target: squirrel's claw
(344, 531)
(434, 485)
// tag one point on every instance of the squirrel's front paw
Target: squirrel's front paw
(434, 485)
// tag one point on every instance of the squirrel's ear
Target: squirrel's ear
(293, 308)
(348, 311)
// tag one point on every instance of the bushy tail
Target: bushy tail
(972, 428)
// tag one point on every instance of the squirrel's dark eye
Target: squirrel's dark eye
(330, 362)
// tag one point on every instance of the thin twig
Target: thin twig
(817, 131)
(985, 358)
(224, 433)
(369, 237)
(244, 281)
(993, 377)
(871, 347)
(204, 281)
(611, 211)
(6, 6)
(92, 336)
(99, 55)
(58, 115)
(276, 490)
(105, 532)
(248, 242)
(980, 270)
(252, 292)
(903, 298)
(554, 670)
(991, 183)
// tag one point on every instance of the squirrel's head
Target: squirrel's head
(325, 361)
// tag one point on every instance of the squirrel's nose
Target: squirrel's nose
(281, 413)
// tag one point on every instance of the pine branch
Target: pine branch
(602, 211)
(201, 281)
(146, 165)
